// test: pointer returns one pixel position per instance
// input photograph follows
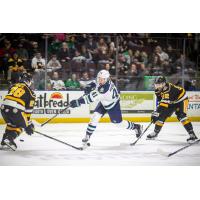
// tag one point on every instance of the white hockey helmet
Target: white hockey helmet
(103, 74)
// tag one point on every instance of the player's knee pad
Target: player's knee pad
(95, 118)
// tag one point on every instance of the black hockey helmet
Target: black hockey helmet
(25, 77)
(160, 79)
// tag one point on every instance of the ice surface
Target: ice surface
(109, 146)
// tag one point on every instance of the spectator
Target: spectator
(123, 65)
(72, 83)
(172, 54)
(162, 55)
(192, 85)
(38, 63)
(184, 60)
(56, 82)
(132, 77)
(92, 74)
(4, 65)
(38, 66)
(54, 46)
(5, 53)
(86, 54)
(102, 52)
(91, 45)
(34, 49)
(59, 37)
(53, 64)
(78, 57)
(22, 53)
(111, 69)
(15, 68)
(64, 56)
(64, 53)
(144, 57)
(85, 80)
(155, 66)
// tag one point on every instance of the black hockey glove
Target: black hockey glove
(30, 129)
(154, 116)
(75, 103)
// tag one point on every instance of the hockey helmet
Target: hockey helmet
(103, 74)
(160, 79)
(26, 78)
(159, 83)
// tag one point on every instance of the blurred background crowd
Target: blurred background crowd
(68, 61)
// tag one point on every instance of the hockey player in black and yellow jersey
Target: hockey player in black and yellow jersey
(16, 110)
(171, 98)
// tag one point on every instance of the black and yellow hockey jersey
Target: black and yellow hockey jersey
(171, 95)
(21, 97)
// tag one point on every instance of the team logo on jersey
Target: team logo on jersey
(101, 90)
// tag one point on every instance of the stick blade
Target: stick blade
(163, 153)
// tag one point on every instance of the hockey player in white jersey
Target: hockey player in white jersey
(105, 92)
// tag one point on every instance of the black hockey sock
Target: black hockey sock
(158, 126)
(188, 127)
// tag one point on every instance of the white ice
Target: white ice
(109, 146)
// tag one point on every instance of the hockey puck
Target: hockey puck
(21, 140)
(88, 144)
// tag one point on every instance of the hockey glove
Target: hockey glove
(30, 128)
(90, 87)
(75, 103)
(154, 116)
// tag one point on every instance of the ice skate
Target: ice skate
(152, 136)
(9, 142)
(4, 146)
(192, 137)
(138, 130)
(85, 141)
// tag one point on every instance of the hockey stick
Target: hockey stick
(54, 116)
(77, 148)
(134, 143)
(181, 149)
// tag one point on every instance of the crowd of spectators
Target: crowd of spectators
(74, 59)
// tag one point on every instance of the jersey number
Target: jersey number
(115, 93)
(17, 92)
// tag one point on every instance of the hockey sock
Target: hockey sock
(188, 126)
(158, 126)
(126, 124)
(90, 129)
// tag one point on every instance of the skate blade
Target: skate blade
(163, 153)
(191, 141)
(9, 146)
(151, 138)
(85, 145)
(4, 148)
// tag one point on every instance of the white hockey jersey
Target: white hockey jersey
(107, 94)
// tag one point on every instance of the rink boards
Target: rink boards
(136, 106)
